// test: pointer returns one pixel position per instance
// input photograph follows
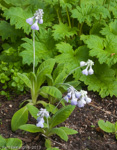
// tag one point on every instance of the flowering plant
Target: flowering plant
(46, 123)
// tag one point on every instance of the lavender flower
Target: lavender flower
(88, 70)
(38, 19)
(78, 98)
(43, 113)
(40, 122)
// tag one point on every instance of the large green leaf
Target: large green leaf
(33, 110)
(69, 131)
(14, 143)
(18, 17)
(30, 128)
(61, 115)
(8, 31)
(19, 118)
(2, 141)
(106, 126)
(104, 79)
(63, 30)
(60, 132)
(25, 79)
(52, 91)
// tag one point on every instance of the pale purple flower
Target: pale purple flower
(88, 100)
(30, 20)
(40, 122)
(90, 71)
(69, 95)
(40, 21)
(77, 94)
(43, 113)
(73, 100)
(82, 63)
(80, 103)
(35, 26)
(85, 72)
(66, 98)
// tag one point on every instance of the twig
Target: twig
(107, 112)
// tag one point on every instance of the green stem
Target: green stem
(80, 32)
(70, 73)
(58, 16)
(33, 51)
(68, 17)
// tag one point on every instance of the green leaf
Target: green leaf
(104, 79)
(44, 48)
(8, 31)
(53, 148)
(60, 132)
(52, 91)
(18, 16)
(69, 131)
(19, 118)
(30, 128)
(45, 68)
(25, 79)
(14, 143)
(63, 30)
(106, 126)
(47, 143)
(61, 115)
(2, 142)
(51, 108)
(33, 110)
(104, 49)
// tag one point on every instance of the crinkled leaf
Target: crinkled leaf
(18, 16)
(63, 30)
(104, 79)
(8, 31)
(2, 141)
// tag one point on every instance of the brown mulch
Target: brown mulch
(84, 120)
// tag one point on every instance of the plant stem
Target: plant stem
(33, 51)
(68, 17)
(70, 73)
(57, 105)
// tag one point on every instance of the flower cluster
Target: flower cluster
(42, 113)
(38, 17)
(77, 98)
(88, 70)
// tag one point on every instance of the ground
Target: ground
(84, 120)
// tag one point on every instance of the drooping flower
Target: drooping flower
(40, 121)
(78, 98)
(38, 17)
(88, 70)
(30, 20)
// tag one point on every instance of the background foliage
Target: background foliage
(73, 31)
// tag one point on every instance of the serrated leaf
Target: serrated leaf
(44, 48)
(8, 31)
(69, 131)
(60, 132)
(18, 17)
(14, 143)
(30, 128)
(61, 115)
(19, 118)
(52, 91)
(106, 126)
(104, 49)
(110, 29)
(104, 79)
(33, 110)
(63, 30)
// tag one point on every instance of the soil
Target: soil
(84, 120)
